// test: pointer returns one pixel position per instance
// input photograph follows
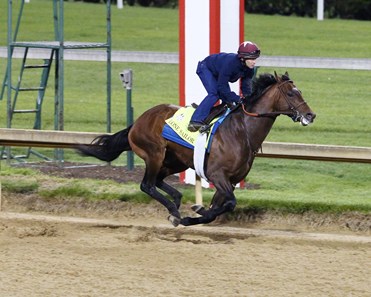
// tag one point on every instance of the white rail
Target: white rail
(173, 58)
(69, 139)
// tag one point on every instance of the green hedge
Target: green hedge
(145, 3)
(344, 9)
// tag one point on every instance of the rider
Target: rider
(216, 71)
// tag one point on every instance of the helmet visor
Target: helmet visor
(250, 55)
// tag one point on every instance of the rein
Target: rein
(267, 114)
(293, 112)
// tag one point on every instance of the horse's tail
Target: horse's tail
(107, 147)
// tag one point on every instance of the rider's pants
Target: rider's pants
(210, 84)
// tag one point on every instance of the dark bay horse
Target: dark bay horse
(233, 150)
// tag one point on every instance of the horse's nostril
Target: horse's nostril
(310, 116)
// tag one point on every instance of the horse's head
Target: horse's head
(291, 102)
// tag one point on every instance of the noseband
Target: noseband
(294, 113)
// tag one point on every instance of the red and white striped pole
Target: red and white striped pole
(205, 27)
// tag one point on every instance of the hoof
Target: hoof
(174, 220)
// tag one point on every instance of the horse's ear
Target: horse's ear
(276, 76)
(286, 76)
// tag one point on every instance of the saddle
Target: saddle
(215, 112)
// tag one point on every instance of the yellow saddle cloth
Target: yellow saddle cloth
(179, 123)
(176, 128)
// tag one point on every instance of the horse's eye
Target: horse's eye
(290, 93)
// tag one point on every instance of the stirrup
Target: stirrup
(195, 126)
(204, 128)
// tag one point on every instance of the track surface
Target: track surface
(44, 255)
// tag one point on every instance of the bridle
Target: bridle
(294, 113)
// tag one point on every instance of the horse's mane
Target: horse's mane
(259, 85)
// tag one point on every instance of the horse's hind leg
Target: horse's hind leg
(172, 192)
(148, 186)
(223, 201)
(161, 184)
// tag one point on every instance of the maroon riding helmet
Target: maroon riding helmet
(248, 50)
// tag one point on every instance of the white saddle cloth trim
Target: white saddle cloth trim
(199, 155)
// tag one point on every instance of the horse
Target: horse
(233, 149)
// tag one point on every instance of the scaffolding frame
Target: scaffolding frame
(58, 46)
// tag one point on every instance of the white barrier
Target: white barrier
(205, 27)
(68, 139)
(173, 58)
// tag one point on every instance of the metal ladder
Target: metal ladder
(40, 89)
(57, 48)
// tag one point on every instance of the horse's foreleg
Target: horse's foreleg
(174, 193)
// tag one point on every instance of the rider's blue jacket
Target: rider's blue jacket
(227, 67)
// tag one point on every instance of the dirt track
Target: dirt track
(73, 248)
(131, 256)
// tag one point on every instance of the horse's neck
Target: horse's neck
(258, 128)
(266, 102)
